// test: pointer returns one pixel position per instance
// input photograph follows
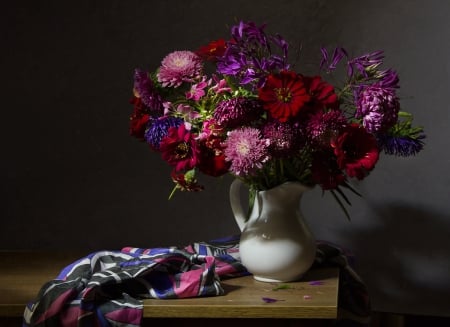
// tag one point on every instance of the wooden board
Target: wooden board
(22, 274)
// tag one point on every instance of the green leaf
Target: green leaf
(281, 287)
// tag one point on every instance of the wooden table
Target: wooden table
(22, 274)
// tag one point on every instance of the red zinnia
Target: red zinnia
(213, 50)
(179, 148)
(284, 95)
(322, 93)
(356, 151)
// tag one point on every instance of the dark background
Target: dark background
(72, 178)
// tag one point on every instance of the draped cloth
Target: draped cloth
(107, 288)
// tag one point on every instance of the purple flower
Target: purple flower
(365, 62)
(378, 107)
(158, 129)
(178, 67)
(246, 150)
(237, 112)
(270, 300)
(251, 56)
(249, 33)
(388, 79)
(145, 89)
(338, 54)
(404, 146)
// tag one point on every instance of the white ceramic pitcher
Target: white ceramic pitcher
(276, 244)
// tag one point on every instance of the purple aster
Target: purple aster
(285, 139)
(158, 129)
(365, 62)
(323, 126)
(237, 112)
(178, 67)
(378, 107)
(246, 150)
(404, 146)
(145, 90)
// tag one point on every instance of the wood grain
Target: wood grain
(23, 273)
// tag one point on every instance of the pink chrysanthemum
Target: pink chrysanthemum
(178, 67)
(246, 150)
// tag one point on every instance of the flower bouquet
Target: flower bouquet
(237, 107)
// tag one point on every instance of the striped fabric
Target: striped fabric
(106, 288)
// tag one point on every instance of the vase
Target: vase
(276, 244)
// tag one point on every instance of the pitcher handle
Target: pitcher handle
(236, 205)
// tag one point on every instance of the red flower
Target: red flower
(212, 159)
(322, 93)
(213, 50)
(139, 119)
(356, 151)
(284, 95)
(185, 182)
(179, 148)
(325, 171)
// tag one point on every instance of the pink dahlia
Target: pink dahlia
(246, 150)
(179, 148)
(178, 67)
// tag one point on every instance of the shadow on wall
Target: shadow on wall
(404, 259)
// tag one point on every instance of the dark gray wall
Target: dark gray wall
(71, 177)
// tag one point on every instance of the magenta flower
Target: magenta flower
(197, 90)
(246, 150)
(221, 86)
(211, 128)
(146, 91)
(285, 138)
(178, 67)
(324, 126)
(378, 107)
(237, 111)
(235, 106)
(179, 148)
